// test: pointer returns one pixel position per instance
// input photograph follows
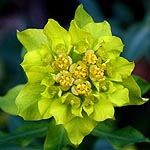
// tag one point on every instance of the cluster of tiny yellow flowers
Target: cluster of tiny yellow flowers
(77, 76)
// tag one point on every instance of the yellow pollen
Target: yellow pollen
(62, 62)
(90, 58)
(65, 80)
(96, 73)
(79, 70)
(81, 87)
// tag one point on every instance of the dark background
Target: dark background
(129, 19)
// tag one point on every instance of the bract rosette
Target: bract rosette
(76, 76)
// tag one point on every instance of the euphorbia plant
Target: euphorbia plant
(75, 76)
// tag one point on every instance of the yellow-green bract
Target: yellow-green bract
(76, 76)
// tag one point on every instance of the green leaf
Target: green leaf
(56, 138)
(134, 91)
(78, 128)
(120, 97)
(98, 29)
(27, 101)
(61, 112)
(26, 133)
(32, 39)
(121, 137)
(41, 57)
(81, 39)
(58, 37)
(16, 147)
(127, 136)
(102, 110)
(35, 64)
(143, 84)
(7, 102)
(111, 45)
(44, 107)
(82, 17)
(120, 69)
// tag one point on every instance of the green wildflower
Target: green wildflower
(76, 76)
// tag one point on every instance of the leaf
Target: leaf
(78, 128)
(108, 47)
(58, 37)
(120, 68)
(16, 147)
(120, 97)
(98, 29)
(7, 102)
(32, 39)
(103, 110)
(80, 38)
(27, 101)
(26, 133)
(44, 107)
(134, 91)
(82, 17)
(144, 85)
(121, 137)
(56, 138)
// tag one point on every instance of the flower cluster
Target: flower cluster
(76, 76)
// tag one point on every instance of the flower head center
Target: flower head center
(81, 87)
(79, 70)
(90, 58)
(76, 76)
(96, 73)
(62, 62)
(65, 80)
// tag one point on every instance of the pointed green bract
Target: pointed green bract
(134, 91)
(61, 112)
(27, 101)
(108, 47)
(75, 76)
(7, 102)
(120, 97)
(40, 57)
(36, 64)
(82, 17)
(103, 110)
(98, 29)
(120, 68)
(81, 39)
(44, 105)
(32, 39)
(58, 37)
(78, 128)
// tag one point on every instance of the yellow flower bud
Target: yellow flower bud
(62, 62)
(96, 73)
(90, 58)
(79, 70)
(81, 87)
(64, 78)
